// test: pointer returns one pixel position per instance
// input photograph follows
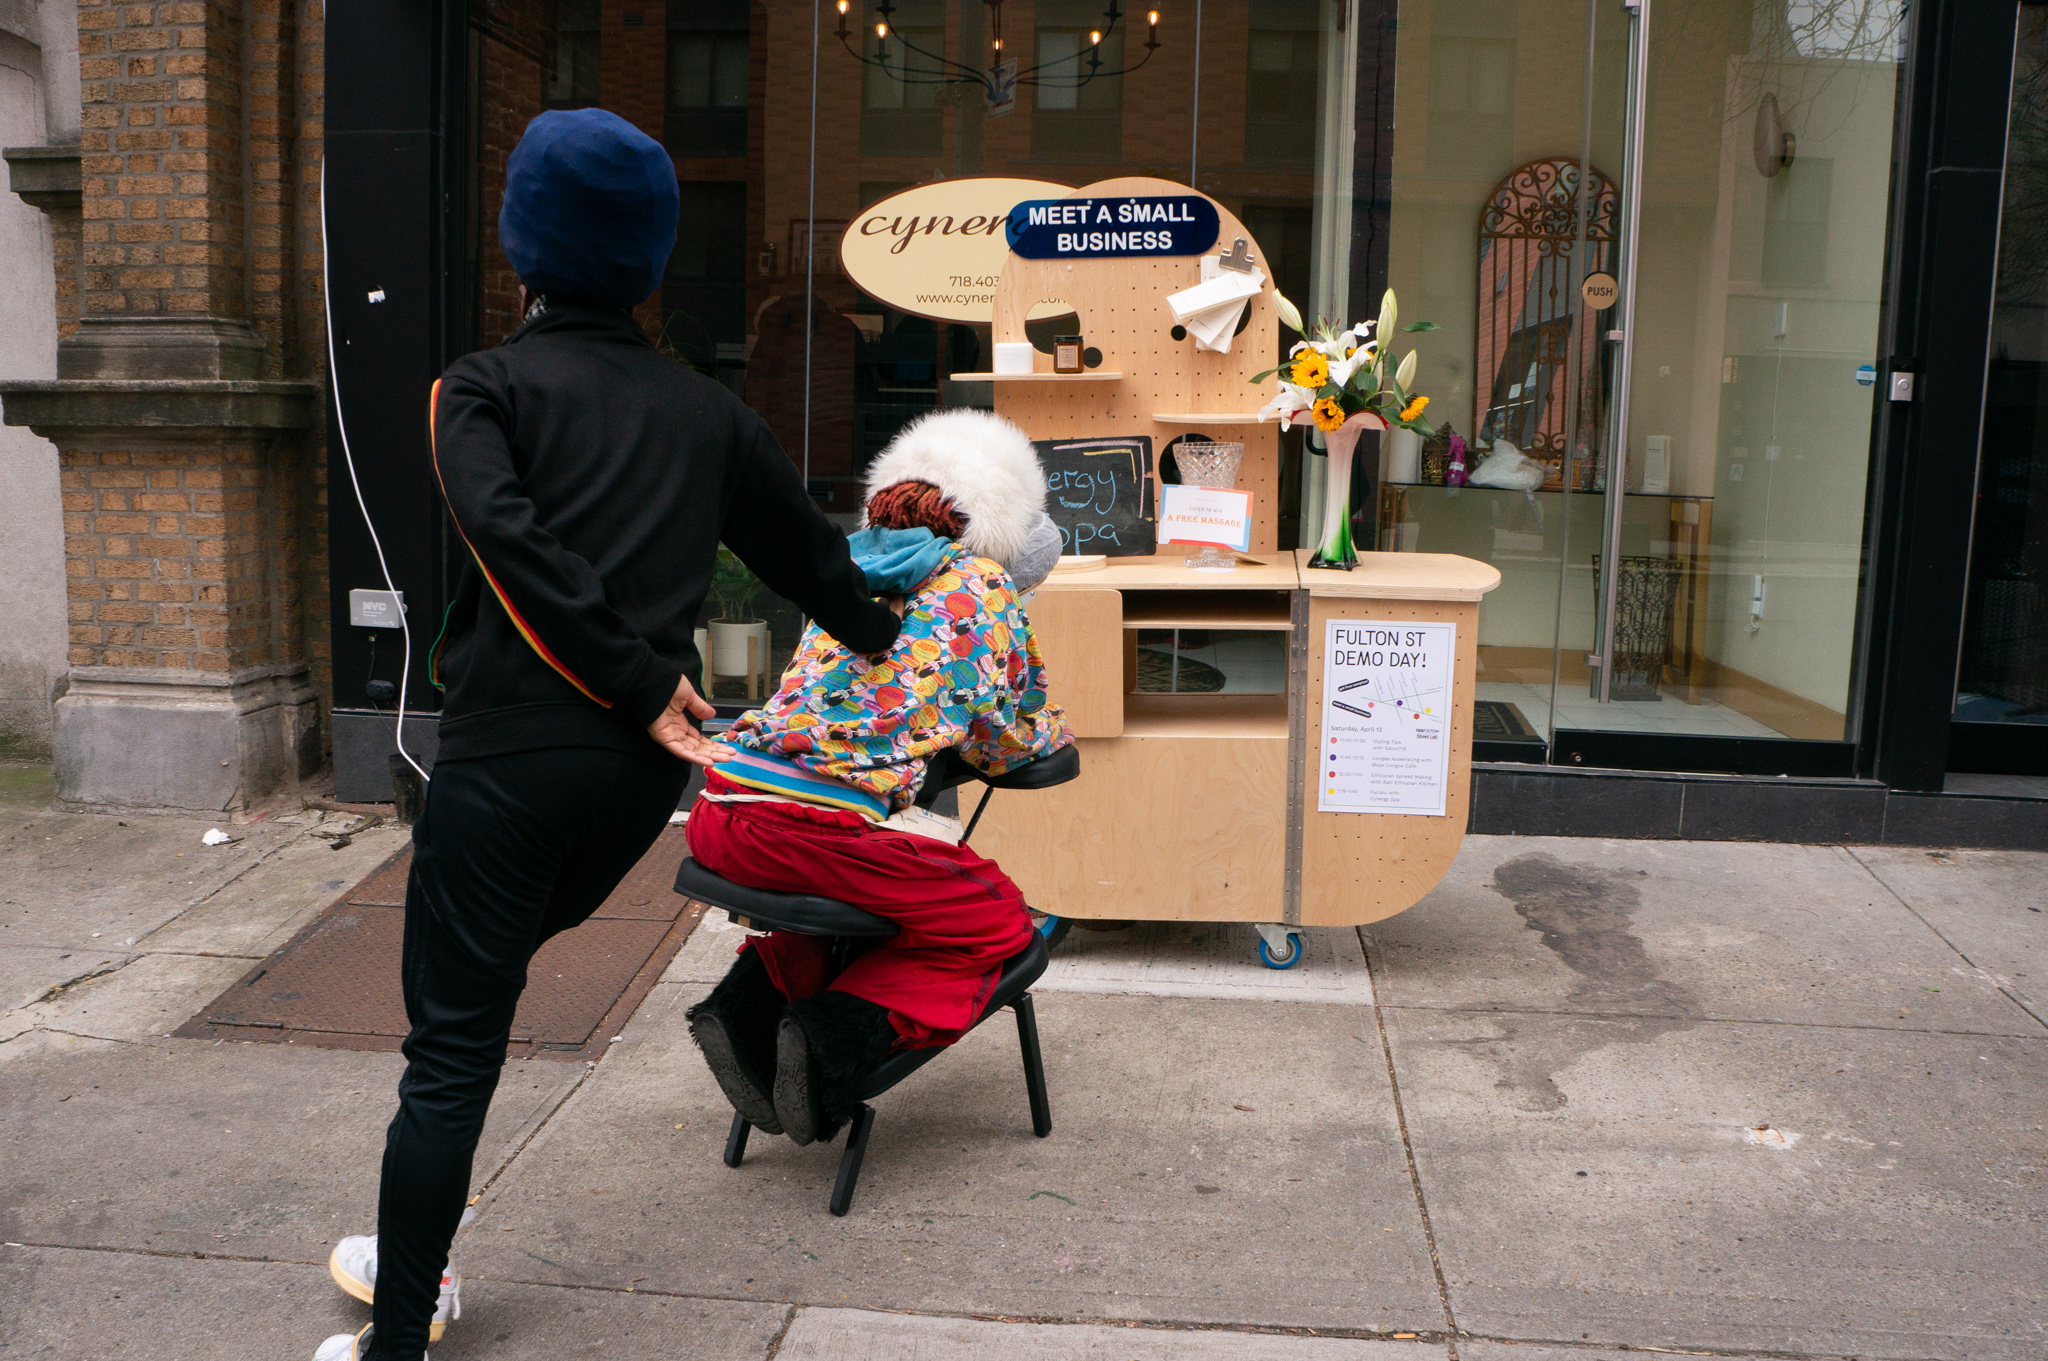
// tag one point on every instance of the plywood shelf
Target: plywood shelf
(1402, 576)
(1169, 570)
(1206, 417)
(1091, 376)
(1239, 610)
(1154, 715)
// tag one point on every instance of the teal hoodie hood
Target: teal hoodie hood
(897, 561)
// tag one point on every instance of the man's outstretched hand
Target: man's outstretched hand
(674, 730)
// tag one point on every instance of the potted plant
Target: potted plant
(735, 589)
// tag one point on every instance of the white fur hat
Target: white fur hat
(982, 463)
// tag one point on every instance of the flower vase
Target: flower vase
(1335, 549)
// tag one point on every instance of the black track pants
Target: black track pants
(510, 851)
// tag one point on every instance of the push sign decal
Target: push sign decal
(1093, 228)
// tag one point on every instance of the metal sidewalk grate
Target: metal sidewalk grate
(336, 983)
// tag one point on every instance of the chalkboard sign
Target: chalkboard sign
(1099, 492)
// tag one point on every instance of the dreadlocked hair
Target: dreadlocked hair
(915, 505)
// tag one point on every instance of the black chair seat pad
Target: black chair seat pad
(1020, 971)
(804, 913)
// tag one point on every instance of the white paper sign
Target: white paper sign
(1386, 740)
(1205, 515)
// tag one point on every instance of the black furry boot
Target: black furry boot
(735, 1027)
(827, 1045)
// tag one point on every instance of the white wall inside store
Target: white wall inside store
(1796, 520)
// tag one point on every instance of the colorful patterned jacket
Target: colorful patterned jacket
(965, 672)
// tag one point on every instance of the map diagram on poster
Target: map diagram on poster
(1386, 739)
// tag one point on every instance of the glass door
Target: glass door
(2001, 713)
(1713, 624)
(1653, 237)
(1504, 177)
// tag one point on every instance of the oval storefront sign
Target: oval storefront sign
(937, 250)
(1093, 228)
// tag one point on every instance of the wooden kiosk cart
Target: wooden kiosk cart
(1226, 807)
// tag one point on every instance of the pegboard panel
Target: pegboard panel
(1123, 312)
(1362, 867)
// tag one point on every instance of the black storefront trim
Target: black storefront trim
(1703, 755)
(1955, 100)
(1521, 800)
(1998, 748)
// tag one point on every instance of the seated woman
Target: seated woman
(818, 798)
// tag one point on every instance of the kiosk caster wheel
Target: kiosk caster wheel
(1054, 929)
(1287, 956)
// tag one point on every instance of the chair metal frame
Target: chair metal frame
(851, 929)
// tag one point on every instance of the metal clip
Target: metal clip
(1238, 257)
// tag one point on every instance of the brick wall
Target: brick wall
(161, 148)
(172, 555)
(512, 68)
(302, 109)
(65, 225)
(201, 137)
(271, 188)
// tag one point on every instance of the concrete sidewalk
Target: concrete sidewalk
(1589, 1097)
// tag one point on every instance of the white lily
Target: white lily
(1290, 401)
(1389, 314)
(1342, 369)
(1405, 375)
(1286, 311)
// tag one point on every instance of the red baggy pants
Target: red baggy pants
(959, 914)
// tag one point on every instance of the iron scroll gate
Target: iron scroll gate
(1529, 236)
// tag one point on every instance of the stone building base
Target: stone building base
(138, 739)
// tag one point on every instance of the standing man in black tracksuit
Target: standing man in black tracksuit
(592, 480)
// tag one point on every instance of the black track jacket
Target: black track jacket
(592, 480)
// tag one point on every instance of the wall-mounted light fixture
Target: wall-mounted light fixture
(1772, 146)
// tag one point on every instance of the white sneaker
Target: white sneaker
(353, 1264)
(347, 1347)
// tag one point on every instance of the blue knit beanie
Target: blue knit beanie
(590, 209)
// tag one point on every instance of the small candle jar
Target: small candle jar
(1066, 354)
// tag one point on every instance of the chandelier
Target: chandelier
(1068, 72)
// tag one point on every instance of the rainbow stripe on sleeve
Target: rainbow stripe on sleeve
(511, 611)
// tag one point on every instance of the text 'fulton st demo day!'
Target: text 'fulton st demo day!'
(1385, 744)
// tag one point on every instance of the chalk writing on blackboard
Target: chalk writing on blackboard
(1099, 493)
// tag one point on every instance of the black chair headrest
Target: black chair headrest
(949, 771)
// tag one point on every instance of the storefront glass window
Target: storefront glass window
(1729, 552)
(1476, 154)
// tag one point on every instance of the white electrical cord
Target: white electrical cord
(341, 429)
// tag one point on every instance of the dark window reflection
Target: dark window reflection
(1077, 109)
(1281, 89)
(902, 88)
(573, 80)
(704, 298)
(707, 79)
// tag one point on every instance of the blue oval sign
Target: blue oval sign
(1094, 228)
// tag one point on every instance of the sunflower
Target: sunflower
(1328, 414)
(1311, 370)
(1414, 408)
